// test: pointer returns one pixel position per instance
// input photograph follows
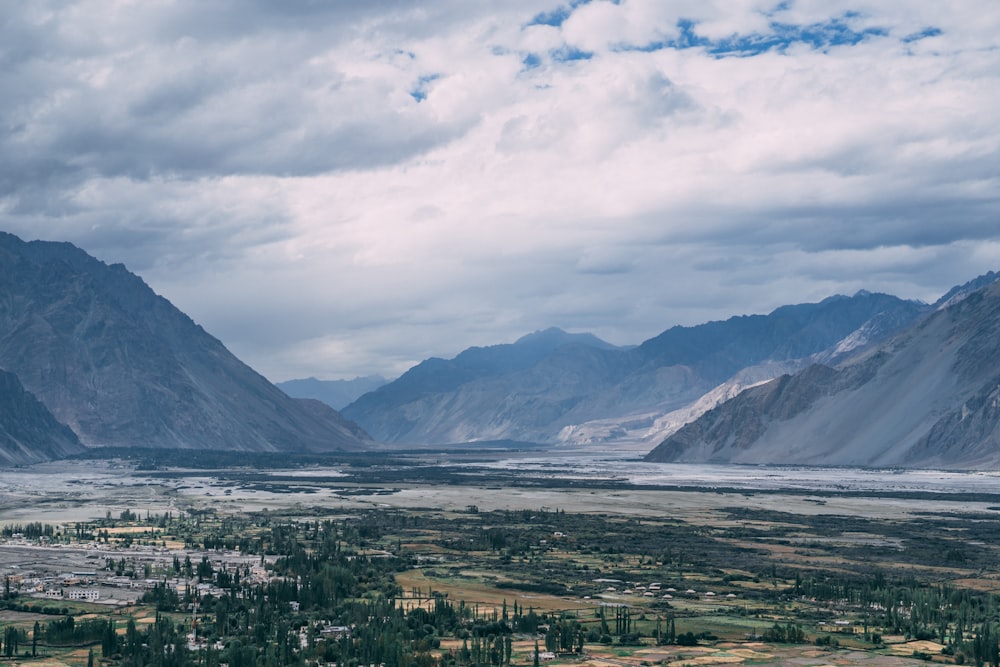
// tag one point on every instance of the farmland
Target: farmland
(480, 563)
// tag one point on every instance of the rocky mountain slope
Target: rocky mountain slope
(121, 366)
(557, 388)
(28, 431)
(929, 397)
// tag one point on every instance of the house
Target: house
(90, 595)
(335, 631)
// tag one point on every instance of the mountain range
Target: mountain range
(91, 356)
(120, 366)
(575, 390)
(927, 397)
(335, 393)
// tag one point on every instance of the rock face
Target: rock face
(929, 397)
(121, 366)
(553, 387)
(28, 431)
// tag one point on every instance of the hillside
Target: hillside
(574, 390)
(122, 366)
(28, 431)
(928, 397)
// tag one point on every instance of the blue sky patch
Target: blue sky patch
(419, 91)
(570, 53)
(531, 61)
(558, 16)
(923, 34)
(554, 18)
(564, 55)
(819, 36)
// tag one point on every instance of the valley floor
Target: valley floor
(730, 556)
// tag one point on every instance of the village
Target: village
(112, 575)
(468, 586)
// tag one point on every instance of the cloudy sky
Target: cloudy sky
(340, 188)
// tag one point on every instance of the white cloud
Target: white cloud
(337, 189)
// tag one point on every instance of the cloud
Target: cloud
(194, 91)
(335, 189)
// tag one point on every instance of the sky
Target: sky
(342, 188)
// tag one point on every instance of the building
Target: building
(90, 595)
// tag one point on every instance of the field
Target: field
(592, 567)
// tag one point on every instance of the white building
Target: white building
(90, 595)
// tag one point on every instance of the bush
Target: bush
(687, 639)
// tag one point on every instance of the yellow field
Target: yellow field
(486, 596)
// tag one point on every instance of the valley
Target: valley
(577, 333)
(601, 561)
(255, 527)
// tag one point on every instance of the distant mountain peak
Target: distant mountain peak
(532, 390)
(554, 337)
(959, 292)
(550, 333)
(335, 393)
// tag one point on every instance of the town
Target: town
(461, 587)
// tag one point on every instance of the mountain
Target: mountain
(122, 366)
(959, 292)
(441, 401)
(574, 389)
(28, 431)
(335, 393)
(929, 397)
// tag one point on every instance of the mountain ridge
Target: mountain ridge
(928, 397)
(551, 395)
(28, 431)
(121, 366)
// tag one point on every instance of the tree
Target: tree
(11, 640)
(687, 639)
(109, 642)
